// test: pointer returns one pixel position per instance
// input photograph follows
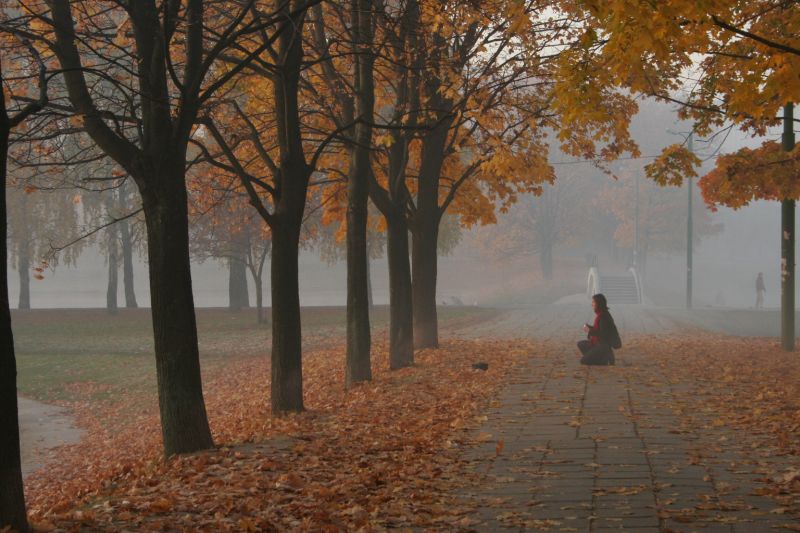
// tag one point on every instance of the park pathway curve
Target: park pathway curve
(570, 448)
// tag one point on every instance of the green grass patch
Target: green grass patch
(89, 354)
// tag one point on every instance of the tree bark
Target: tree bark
(238, 297)
(287, 369)
(401, 321)
(260, 315)
(294, 174)
(357, 364)
(425, 228)
(12, 495)
(184, 424)
(370, 298)
(127, 264)
(424, 275)
(24, 270)
(257, 272)
(113, 269)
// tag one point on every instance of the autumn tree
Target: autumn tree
(767, 172)
(267, 143)
(159, 67)
(225, 227)
(728, 64)
(109, 208)
(488, 118)
(350, 86)
(535, 225)
(40, 218)
(661, 215)
(13, 114)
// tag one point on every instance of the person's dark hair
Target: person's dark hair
(601, 302)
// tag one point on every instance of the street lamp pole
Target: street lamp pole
(689, 235)
(636, 231)
(787, 244)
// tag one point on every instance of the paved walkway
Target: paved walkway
(43, 427)
(569, 448)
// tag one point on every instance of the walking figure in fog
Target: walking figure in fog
(760, 290)
(603, 336)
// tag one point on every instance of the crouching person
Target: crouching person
(603, 337)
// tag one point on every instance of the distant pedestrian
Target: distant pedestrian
(760, 290)
(602, 336)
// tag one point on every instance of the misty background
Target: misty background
(475, 272)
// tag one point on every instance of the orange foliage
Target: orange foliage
(763, 173)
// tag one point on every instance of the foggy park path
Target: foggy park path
(570, 448)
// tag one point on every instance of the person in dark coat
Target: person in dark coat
(596, 350)
(760, 290)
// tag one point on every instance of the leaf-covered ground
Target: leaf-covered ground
(382, 455)
(741, 398)
(388, 454)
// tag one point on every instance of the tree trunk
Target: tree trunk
(12, 495)
(424, 266)
(127, 264)
(546, 260)
(24, 269)
(287, 368)
(369, 284)
(425, 229)
(401, 322)
(238, 297)
(184, 423)
(257, 272)
(113, 269)
(357, 364)
(260, 315)
(287, 219)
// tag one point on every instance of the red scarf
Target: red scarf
(593, 339)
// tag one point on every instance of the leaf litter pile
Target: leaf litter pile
(382, 455)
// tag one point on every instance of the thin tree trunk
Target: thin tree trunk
(357, 364)
(113, 270)
(238, 297)
(24, 270)
(401, 321)
(257, 272)
(546, 260)
(260, 315)
(12, 495)
(127, 264)
(184, 423)
(424, 274)
(287, 370)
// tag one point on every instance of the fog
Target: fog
(725, 263)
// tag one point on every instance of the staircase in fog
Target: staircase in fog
(618, 289)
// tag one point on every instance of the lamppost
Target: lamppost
(689, 233)
(636, 231)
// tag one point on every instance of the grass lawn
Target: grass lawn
(66, 355)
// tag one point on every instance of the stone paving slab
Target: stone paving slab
(602, 449)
